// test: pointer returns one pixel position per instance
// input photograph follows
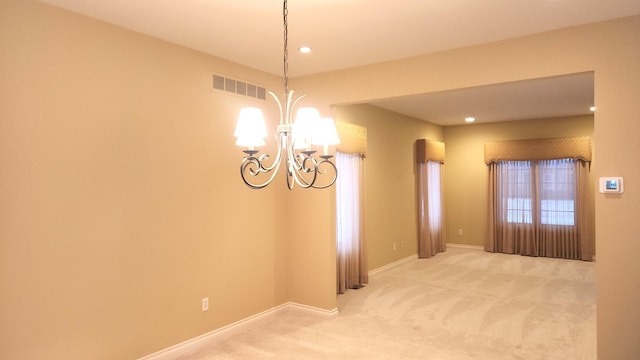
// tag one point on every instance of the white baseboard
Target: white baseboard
(463, 246)
(216, 336)
(393, 264)
(415, 256)
(311, 309)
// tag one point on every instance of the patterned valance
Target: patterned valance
(353, 138)
(538, 149)
(427, 150)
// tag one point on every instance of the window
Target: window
(541, 192)
(540, 207)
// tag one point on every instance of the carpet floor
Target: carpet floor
(461, 304)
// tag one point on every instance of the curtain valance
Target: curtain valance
(538, 149)
(428, 150)
(353, 138)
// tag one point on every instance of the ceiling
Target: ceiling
(558, 96)
(350, 33)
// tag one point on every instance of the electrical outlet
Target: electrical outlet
(395, 246)
(205, 304)
(460, 232)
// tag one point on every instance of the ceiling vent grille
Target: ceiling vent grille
(239, 87)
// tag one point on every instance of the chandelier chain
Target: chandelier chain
(285, 13)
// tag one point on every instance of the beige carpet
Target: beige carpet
(461, 304)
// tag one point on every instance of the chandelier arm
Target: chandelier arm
(293, 168)
(277, 100)
(293, 105)
(246, 168)
(298, 173)
(276, 163)
(290, 184)
(316, 169)
(326, 161)
(288, 107)
(254, 166)
(292, 177)
(292, 164)
(298, 179)
(292, 158)
(309, 158)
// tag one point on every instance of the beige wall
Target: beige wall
(121, 207)
(390, 186)
(466, 174)
(120, 201)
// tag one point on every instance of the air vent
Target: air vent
(239, 87)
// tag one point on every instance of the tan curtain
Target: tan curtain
(351, 264)
(586, 221)
(515, 237)
(430, 158)
(540, 207)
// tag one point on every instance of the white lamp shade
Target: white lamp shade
(303, 128)
(325, 132)
(250, 129)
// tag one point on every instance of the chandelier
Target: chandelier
(295, 140)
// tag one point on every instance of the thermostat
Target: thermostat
(613, 185)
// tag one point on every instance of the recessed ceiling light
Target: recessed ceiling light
(305, 49)
(593, 108)
(469, 119)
